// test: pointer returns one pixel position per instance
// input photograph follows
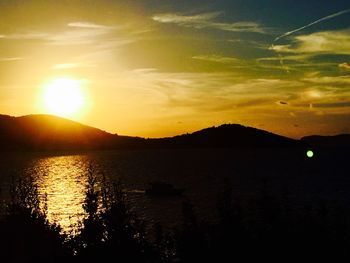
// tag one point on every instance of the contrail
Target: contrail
(312, 23)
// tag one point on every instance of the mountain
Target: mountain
(227, 135)
(339, 141)
(47, 132)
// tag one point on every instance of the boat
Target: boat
(158, 188)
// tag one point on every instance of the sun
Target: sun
(63, 97)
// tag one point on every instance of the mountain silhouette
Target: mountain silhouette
(340, 140)
(47, 132)
(227, 135)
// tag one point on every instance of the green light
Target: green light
(310, 153)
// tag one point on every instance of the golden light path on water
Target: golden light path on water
(63, 180)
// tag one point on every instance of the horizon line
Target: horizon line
(184, 133)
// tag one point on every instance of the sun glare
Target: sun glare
(63, 97)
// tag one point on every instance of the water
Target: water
(62, 178)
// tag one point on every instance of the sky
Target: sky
(155, 68)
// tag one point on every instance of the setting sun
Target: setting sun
(63, 97)
(172, 131)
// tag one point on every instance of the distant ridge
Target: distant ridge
(339, 141)
(228, 135)
(47, 132)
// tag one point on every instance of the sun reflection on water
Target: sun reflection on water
(63, 179)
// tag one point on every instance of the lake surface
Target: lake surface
(203, 173)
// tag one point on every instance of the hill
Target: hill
(47, 132)
(338, 141)
(227, 135)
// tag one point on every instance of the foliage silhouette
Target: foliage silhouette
(268, 228)
(26, 235)
(265, 226)
(111, 230)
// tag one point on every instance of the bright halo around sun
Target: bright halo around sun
(64, 97)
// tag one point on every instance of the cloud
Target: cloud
(216, 58)
(344, 65)
(304, 48)
(297, 64)
(99, 42)
(185, 20)
(313, 23)
(226, 92)
(325, 42)
(303, 57)
(81, 33)
(207, 20)
(88, 25)
(226, 96)
(342, 104)
(67, 37)
(26, 36)
(251, 43)
(210, 92)
(78, 33)
(339, 80)
(281, 48)
(10, 59)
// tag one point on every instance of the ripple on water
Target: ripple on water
(62, 180)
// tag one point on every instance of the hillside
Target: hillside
(46, 132)
(227, 135)
(340, 140)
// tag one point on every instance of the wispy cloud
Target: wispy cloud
(99, 42)
(312, 23)
(184, 20)
(77, 33)
(305, 47)
(207, 20)
(217, 58)
(252, 43)
(295, 63)
(76, 37)
(88, 25)
(339, 80)
(228, 94)
(292, 57)
(82, 33)
(341, 104)
(344, 65)
(26, 36)
(63, 66)
(325, 42)
(67, 37)
(11, 59)
(212, 92)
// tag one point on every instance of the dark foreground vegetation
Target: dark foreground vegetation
(266, 228)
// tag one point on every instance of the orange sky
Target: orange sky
(160, 68)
